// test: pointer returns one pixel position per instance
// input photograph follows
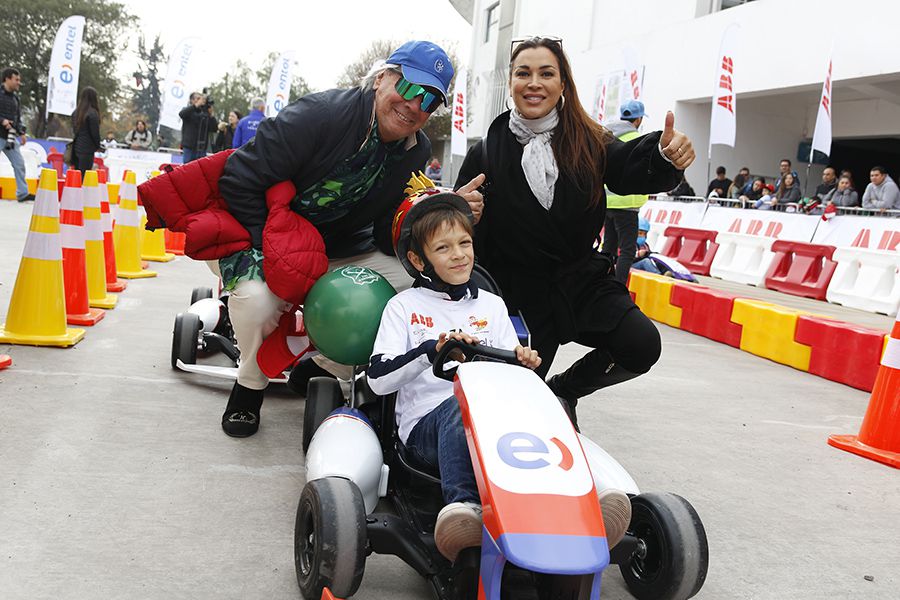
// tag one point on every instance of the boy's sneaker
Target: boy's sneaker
(616, 509)
(458, 526)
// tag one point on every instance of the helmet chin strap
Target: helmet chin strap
(428, 278)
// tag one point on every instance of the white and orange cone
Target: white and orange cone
(95, 261)
(126, 232)
(113, 283)
(37, 309)
(71, 227)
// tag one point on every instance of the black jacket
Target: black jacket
(10, 109)
(303, 144)
(87, 138)
(223, 139)
(192, 121)
(544, 261)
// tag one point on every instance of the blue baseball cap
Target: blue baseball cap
(424, 63)
(632, 109)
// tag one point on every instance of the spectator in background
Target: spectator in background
(246, 128)
(829, 183)
(882, 193)
(433, 171)
(741, 183)
(13, 130)
(719, 185)
(849, 175)
(784, 167)
(110, 141)
(756, 191)
(788, 191)
(140, 137)
(225, 137)
(86, 125)
(683, 188)
(767, 199)
(843, 195)
(197, 122)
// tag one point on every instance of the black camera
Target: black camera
(11, 136)
(207, 101)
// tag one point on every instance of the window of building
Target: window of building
(491, 21)
(733, 3)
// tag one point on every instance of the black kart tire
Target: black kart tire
(199, 293)
(676, 559)
(330, 538)
(185, 338)
(322, 396)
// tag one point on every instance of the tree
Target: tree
(28, 32)
(438, 125)
(241, 84)
(147, 96)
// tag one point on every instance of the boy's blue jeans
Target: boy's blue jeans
(439, 441)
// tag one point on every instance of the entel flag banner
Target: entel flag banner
(179, 82)
(633, 78)
(279, 93)
(458, 139)
(65, 65)
(723, 120)
(600, 100)
(822, 136)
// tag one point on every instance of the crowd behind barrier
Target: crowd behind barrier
(790, 207)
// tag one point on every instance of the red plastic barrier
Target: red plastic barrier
(841, 352)
(56, 162)
(694, 248)
(707, 312)
(801, 269)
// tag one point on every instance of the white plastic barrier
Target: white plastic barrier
(31, 160)
(140, 162)
(742, 258)
(866, 279)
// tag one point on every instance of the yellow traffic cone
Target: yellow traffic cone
(37, 309)
(153, 243)
(126, 235)
(95, 255)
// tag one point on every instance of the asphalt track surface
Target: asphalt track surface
(116, 480)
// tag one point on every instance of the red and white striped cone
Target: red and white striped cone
(71, 228)
(113, 283)
(95, 261)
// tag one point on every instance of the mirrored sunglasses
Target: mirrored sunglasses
(431, 99)
(546, 39)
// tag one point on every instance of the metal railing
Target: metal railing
(789, 207)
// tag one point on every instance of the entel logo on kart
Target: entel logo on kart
(514, 448)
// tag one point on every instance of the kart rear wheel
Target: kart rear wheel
(330, 538)
(673, 554)
(323, 395)
(185, 339)
(199, 293)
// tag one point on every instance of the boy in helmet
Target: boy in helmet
(433, 239)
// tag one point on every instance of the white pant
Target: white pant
(255, 311)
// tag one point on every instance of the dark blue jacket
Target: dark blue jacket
(246, 128)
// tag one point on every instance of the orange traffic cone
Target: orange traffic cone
(175, 242)
(71, 220)
(37, 309)
(153, 243)
(113, 283)
(95, 261)
(879, 435)
(126, 235)
(5, 361)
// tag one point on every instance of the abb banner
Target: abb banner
(681, 214)
(764, 223)
(871, 233)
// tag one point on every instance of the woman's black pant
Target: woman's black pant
(623, 353)
(84, 162)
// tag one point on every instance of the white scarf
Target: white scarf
(538, 161)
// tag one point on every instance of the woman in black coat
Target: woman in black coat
(86, 125)
(226, 132)
(546, 164)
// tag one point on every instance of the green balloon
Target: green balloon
(343, 310)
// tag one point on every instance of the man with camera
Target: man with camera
(12, 129)
(197, 121)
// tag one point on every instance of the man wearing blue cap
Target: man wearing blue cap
(620, 228)
(349, 153)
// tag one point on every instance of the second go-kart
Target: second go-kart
(543, 535)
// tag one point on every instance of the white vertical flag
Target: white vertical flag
(822, 136)
(633, 75)
(723, 120)
(600, 100)
(458, 138)
(65, 65)
(279, 93)
(180, 78)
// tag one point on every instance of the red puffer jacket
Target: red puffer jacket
(187, 200)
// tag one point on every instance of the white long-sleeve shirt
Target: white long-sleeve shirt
(405, 346)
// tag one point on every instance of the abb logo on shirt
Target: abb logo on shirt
(417, 319)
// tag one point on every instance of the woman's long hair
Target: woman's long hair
(579, 142)
(783, 187)
(86, 101)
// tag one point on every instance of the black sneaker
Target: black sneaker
(27, 198)
(241, 416)
(302, 373)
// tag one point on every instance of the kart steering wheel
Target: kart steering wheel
(470, 353)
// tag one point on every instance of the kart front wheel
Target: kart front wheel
(199, 293)
(185, 339)
(673, 555)
(323, 395)
(330, 538)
